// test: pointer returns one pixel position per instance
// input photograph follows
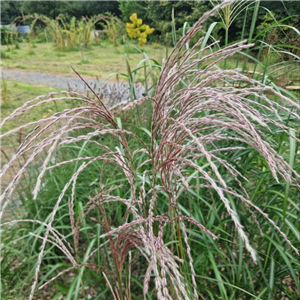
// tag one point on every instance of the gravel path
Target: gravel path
(113, 91)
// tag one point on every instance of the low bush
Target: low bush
(10, 36)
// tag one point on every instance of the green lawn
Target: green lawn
(97, 61)
(15, 93)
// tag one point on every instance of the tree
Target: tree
(127, 8)
(10, 10)
(51, 9)
(90, 8)
(102, 7)
(5, 15)
(282, 8)
(160, 14)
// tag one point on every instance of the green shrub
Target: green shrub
(10, 36)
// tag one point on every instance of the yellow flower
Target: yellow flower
(136, 29)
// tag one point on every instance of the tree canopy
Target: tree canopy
(158, 14)
(10, 10)
(50, 9)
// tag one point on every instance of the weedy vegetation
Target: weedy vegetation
(188, 193)
(68, 35)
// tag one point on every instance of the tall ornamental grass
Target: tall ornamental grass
(139, 216)
(68, 35)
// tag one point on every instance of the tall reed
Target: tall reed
(68, 34)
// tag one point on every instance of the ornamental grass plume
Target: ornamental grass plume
(196, 107)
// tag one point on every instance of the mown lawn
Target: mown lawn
(97, 61)
(15, 93)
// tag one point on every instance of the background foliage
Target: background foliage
(155, 13)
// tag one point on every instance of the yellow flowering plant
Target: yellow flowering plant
(138, 30)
